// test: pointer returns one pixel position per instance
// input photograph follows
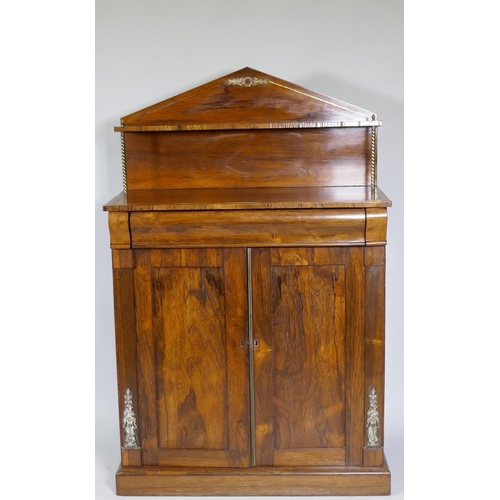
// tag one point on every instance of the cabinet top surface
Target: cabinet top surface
(248, 199)
(247, 99)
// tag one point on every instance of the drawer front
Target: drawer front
(249, 228)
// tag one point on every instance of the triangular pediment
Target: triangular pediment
(247, 99)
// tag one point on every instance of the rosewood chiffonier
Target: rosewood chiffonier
(248, 250)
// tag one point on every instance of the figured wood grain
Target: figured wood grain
(125, 341)
(189, 311)
(255, 481)
(248, 126)
(299, 361)
(238, 381)
(119, 231)
(250, 159)
(271, 166)
(199, 319)
(354, 375)
(256, 228)
(376, 226)
(194, 458)
(122, 259)
(308, 322)
(182, 257)
(373, 456)
(375, 256)
(263, 357)
(375, 339)
(115, 259)
(131, 458)
(226, 102)
(303, 256)
(146, 358)
(147, 200)
(309, 456)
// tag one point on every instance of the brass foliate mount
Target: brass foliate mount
(373, 420)
(130, 439)
(247, 81)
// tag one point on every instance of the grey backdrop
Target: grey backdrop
(149, 50)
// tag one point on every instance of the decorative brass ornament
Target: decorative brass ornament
(129, 423)
(373, 163)
(373, 420)
(124, 165)
(247, 81)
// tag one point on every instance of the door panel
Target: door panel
(308, 349)
(189, 322)
(300, 359)
(198, 318)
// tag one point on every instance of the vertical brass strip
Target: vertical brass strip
(374, 159)
(124, 169)
(250, 355)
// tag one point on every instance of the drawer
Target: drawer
(248, 228)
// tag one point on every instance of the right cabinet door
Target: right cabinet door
(307, 322)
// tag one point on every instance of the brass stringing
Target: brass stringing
(247, 81)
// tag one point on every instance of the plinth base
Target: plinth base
(339, 480)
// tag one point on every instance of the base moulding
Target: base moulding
(182, 481)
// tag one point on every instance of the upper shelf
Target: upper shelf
(248, 199)
(247, 99)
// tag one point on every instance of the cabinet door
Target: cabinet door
(193, 373)
(301, 313)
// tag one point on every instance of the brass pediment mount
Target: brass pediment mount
(247, 81)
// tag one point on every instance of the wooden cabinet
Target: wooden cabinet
(249, 288)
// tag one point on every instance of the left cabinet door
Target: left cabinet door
(192, 357)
